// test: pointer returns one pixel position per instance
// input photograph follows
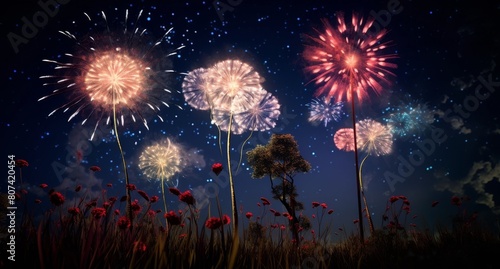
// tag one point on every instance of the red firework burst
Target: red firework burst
(346, 61)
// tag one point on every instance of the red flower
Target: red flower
(187, 197)
(95, 168)
(136, 208)
(174, 191)
(330, 211)
(355, 221)
(143, 194)
(91, 203)
(213, 223)
(74, 211)
(216, 222)
(393, 199)
(78, 188)
(106, 205)
(131, 187)
(21, 163)
(98, 212)
(249, 215)
(315, 204)
(154, 199)
(151, 213)
(124, 198)
(117, 212)
(123, 222)
(139, 246)
(217, 168)
(56, 198)
(172, 218)
(109, 185)
(455, 200)
(38, 201)
(323, 205)
(435, 203)
(43, 185)
(265, 201)
(226, 219)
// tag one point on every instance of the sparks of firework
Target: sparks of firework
(111, 74)
(262, 116)
(235, 86)
(195, 87)
(324, 110)
(374, 137)
(233, 93)
(346, 61)
(344, 139)
(409, 119)
(161, 161)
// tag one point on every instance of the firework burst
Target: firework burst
(346, 61)
(111, 75)
(324, 110)
(374, 137)
(161, 161)
(236, 86)
(232, 91)
(262, 116)
(344, 139)
(409, 119)
(195, 87)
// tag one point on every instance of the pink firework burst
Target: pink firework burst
(113, 75)
(347, 60)
(344, 139)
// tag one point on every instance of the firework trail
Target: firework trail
(324, 110)
(110, 77)
(237, 103)
(345, 62)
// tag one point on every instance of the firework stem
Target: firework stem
(129, 199)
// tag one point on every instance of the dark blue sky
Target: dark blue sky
(447, 52)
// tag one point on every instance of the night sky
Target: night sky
(447, 55)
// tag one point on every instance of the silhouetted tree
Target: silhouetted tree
(280, 160)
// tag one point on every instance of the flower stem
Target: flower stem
(129, 200)
(358, 180)
(235, 245)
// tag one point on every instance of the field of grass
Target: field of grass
(99, 234)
